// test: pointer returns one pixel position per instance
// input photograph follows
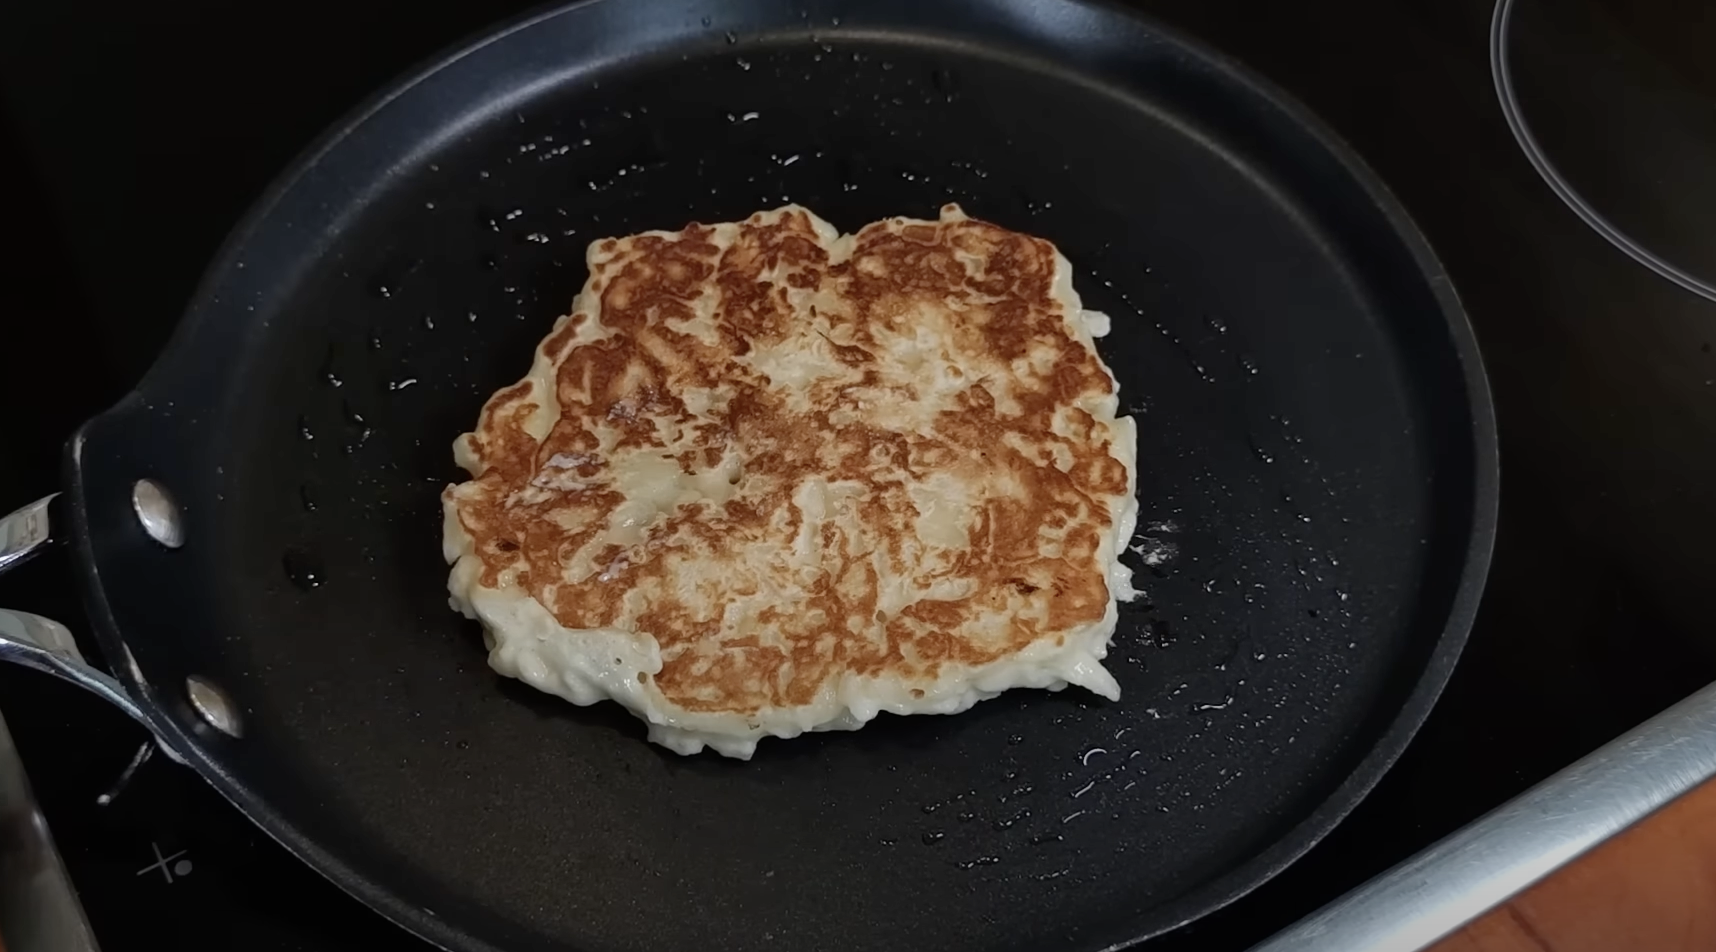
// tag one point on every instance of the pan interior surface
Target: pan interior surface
(1306, 483)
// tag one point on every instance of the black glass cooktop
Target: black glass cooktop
(136, 134)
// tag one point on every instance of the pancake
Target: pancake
(767, 479)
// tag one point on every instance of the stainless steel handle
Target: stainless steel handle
(35, 893)
(42, 643)
(25, 533)
(1479, 867)
(47, 645)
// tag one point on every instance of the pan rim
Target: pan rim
(1213, 894)
(1240, 880)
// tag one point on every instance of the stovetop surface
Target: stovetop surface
(136, 135)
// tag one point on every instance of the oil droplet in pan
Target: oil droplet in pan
(303, 569)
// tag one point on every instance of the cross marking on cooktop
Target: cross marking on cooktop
(166, 864)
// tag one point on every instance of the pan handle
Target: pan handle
(25, 533)
(42, 643)
(47, 645)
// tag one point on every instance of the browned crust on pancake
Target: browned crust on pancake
(1023, 370)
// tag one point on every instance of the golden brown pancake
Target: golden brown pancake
(766, 479)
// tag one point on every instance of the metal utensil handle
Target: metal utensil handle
(42, 643)
(1500, 854)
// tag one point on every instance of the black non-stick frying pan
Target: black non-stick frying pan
(1317, 486)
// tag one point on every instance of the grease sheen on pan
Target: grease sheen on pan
(766, 479)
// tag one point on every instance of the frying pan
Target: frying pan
(257, 526)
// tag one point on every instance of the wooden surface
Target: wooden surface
(1651, 889)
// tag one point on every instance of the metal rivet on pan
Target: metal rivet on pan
(213, 706)
(156, 511)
